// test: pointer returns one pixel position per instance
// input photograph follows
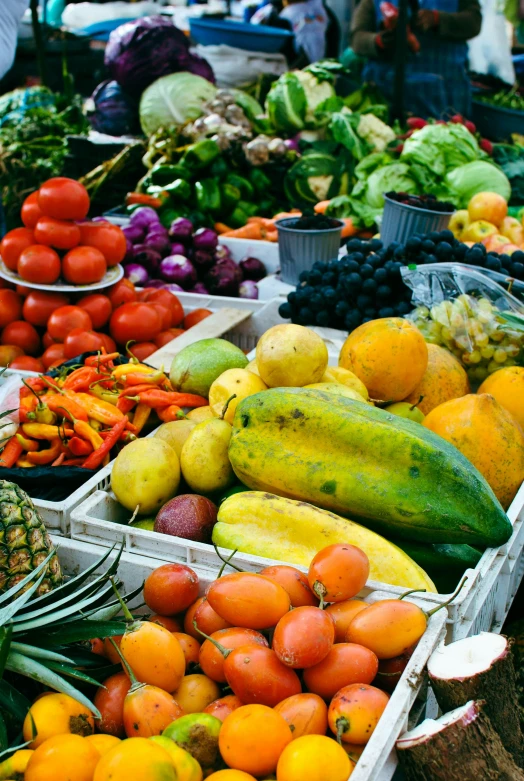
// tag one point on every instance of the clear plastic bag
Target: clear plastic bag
(464, 310)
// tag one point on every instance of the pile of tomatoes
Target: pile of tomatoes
(40, 330)
(285, 684)
(58, 241)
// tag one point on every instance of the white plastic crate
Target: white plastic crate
(482, 604)
(378, 761)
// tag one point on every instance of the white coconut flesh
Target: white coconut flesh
(429, 727)
(468, 657)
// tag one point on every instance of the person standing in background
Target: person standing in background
(11, 12)
(436, 76)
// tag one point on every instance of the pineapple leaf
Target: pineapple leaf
(4, 742)
(30, 668)
(40, 653)
(6, 633)
(7, 613)
(10, 593)
(71, 672)
(113, 608)
(13, 702)
(84, 629)
(94, 600)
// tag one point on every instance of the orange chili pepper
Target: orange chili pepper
(81, 379)
(105, 413)
(48, 455)
(141, 416)
(66, 407)
(11, 453)
(167, 414)
(101, 359)
(159, 398)
(97, 457)
(125, 405)
(27, 444)
(79, 447)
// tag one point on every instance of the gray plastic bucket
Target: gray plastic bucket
(299, 249)
(400, 221)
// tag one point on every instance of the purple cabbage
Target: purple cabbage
(144, 217)
(203, 260)
(224, 278)
(248, 289)
(140, 51)
(146, 256)
(181, 230)
(252, 268)
(205, 239)
(116, 113)
(177, 268)
(136, 274)
(134, 233)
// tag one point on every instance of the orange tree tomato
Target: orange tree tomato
(52, 354)
(212, 656)
(248, 600)
(355, 711)
(303, 637)
(345, 664)
(79, 341)
(40, 305)
(222, 707)
(39, 264)
(305, 713)
(122, 293)
(294, 582)
(343, 614)
(22, 335)
(169, 300)
(168, 622)
(31, 211)
(98, 307)
(390, 670)
(190, 647)
(170, 589)
(252, 739)
(64, 199)
(388, 627)
(256, 675)
(196, 316)
(10, 307)
(59, 234)
(148, 710)
(13, 244)
(64, 319)
(338, 572)
(137, 321)
(83, 266)
(105, 237)
(27, 364)
(109, 699)
(207, 619)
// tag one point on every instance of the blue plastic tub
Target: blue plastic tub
(497, 123)
(253, 37)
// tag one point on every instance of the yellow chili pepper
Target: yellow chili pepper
(24, 463)
(85, 431)
(140, 418)
(43, 431)
(104, 395)
(95, 424)
(48, 455)
(126, 368)
(97, 409)
(26, 443)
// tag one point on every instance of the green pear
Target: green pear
(204, 458)
(146, 523)
(406, 410)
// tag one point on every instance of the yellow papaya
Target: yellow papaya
(262, 524)
(378, 469)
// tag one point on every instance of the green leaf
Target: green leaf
(84, 629)
(39, 653)
(30, 668)
(71, 672)
(12, 701)
(56, 608)
(94, 600)
(4, 742)
(6, 633)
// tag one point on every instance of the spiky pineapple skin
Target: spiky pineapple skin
(24, 541)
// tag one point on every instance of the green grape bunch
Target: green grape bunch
(474, 331)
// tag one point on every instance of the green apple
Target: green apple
(406, 410)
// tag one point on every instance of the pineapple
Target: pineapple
(24, 541)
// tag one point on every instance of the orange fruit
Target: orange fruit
(67, 757)
(252, 739)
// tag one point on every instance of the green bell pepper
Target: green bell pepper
(208, 197)
(250, 209)
(244, 185)
(259, 180)
(201, 154)
(238, 218)
(180, 190)
(219, 168)
(231, 195)
(167, 216)
(162, 175)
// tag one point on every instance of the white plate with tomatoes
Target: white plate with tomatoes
(113, 275)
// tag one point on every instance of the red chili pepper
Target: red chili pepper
(101, 359)
(73, 462)
(11, 453)
(125, 405)
(79, 447)
(60, 460)
(158, 398)
(97, 456)
(81, 379)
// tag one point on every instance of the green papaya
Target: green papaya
(444, 563)
(378, 469)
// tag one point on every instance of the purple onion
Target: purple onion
(200, 288)
(248, 289)
(222, 252)
(205, 239)
(159, 242)
(181, 230)
(177, 268)
(173, 287)
(157, 283)
(292, 144)
(130, 252)
(147, 257)
(224, 278)
(136, 274)
(203, 260)
(144, 217)
(252, 268)
(135, 233)
(177, 249)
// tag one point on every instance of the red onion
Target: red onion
(147, 257)
(157, 283)
(205, 239)
(135, 233)
(252, 268)
(222, 252)
(202, 259)
(159, 242)
(136, 274)
(224, 278)
(248, 289)
(177, 268)
(177, 249)
(173, 287)
(200, 288)
(181, 230)
(144, 217)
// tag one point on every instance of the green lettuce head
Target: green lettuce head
(293, 100)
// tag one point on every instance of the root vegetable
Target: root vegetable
(461, 745)
(480, 667)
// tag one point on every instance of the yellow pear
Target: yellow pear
(204, 459)
(345, 377)
(237, 383)
(175, 433)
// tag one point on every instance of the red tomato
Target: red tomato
(122, 293)
(22, 335)
(47, 340)
(109, 343)
(137, 321)
(143, 294)
(64, 319)
(55, 352)
(10, 307)
(164, 297)
(196, 316)
(27, 364)
(98, 308)
(64, 199)
(143, 350)
(59, 234)
(40, 305)
(31, 211)
(83, 266)
(167, 336)
(13, 244)
(22, 290)
(39, 264)
(105, 237)
(165, 314)
(79, 341)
